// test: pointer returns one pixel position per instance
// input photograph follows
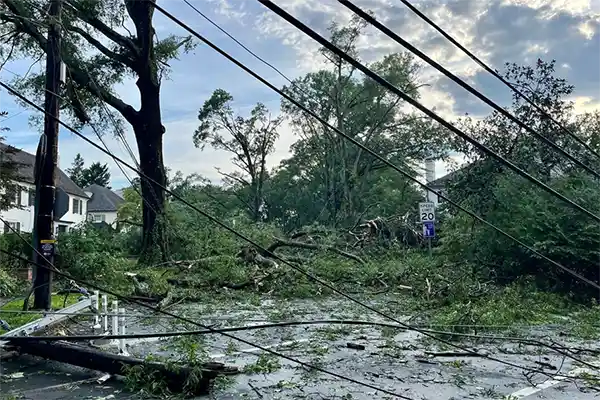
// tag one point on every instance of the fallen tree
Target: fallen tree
(178, 377)
(310, 246)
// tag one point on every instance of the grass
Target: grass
(16, 320)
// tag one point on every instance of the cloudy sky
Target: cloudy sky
(497, 31)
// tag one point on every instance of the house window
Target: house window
(61, 229)
(98, 217)
(77, 206)
(31, 197)
(16, 227)
(18, 196)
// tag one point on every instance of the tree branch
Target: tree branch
(80, 77)
(103, 49)
(103, 28)
(309, 246)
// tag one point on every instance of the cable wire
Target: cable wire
(497, 75)
(259, 58)
(273, 325)
(51, 267)
(258, 246)
(371, 152)
(243, 237)
(388, 32)
(383, 82)
(555, 347)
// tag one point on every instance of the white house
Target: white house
(103, 205)
(70, 205)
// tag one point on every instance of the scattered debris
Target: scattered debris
(355, 346)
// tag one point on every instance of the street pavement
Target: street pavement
(398, 361)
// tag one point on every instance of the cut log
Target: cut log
(114, 364)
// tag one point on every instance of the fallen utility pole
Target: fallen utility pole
(178, 378)
(44, 213)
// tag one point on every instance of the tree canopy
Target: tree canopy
(100, 51)
(83, 176)
(249, 140)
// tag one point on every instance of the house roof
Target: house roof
(103, 199)
(26, 164)
(443, 181)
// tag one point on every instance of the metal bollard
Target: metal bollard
(115, 317)
(122, 348)
(96, 307)
(105, 312)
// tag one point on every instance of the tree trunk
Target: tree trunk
(148, 131)
(149, 140)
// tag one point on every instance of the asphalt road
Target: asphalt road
(400, 362)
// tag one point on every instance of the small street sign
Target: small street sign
(428, 229)
(426, 212)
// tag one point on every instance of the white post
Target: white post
(97, 308)
(115, 317)
(93, 306)
(105, 312)
(122, 348)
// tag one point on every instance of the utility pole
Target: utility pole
(44, 213)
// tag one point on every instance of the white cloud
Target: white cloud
(196, 75)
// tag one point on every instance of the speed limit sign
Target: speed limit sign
(426, 212)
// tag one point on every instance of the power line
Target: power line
(558, 347)
(255, 244)
(497, 75)
(108, 113)
(184, 319)
(361, 13)
(239, 43)
(371, 152)
(252, 242)
(383, 82)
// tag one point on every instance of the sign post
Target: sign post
(427, 218)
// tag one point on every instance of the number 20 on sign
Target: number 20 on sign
(427, 212)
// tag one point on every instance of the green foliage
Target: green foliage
(252, 141)
(95, 61)
(8, 282)
(95, 256)
(131, 210)
(327, 179)
(76, 170)
(9, 171)
(15, 319)
(518, 305)
(96, 173)
(540, 221)
(516, 206)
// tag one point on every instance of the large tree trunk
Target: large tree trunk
(148, 131)
(149, 140)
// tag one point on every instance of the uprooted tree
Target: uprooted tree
(99, 52)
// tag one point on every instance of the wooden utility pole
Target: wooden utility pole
(44, 214)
